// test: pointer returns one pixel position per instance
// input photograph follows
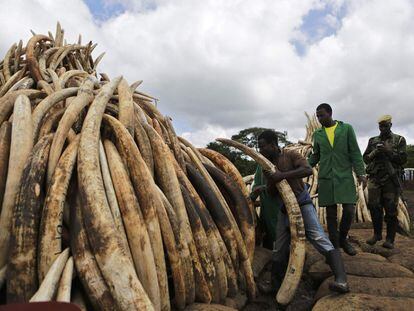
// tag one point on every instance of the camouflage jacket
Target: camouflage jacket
(381, 166)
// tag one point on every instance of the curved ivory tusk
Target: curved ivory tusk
(6, 63)
(42, 62)
(50, 237)
(65, 284)
(22, 279)
(112, 260)
(46, 104)
(70, 74)
(49, 285)
(20, 148)
(23, 84)
(31, 58)
(83, 98)
(12, 81)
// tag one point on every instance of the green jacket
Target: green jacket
(269, 205)
(335, 181)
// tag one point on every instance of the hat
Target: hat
(385, 118)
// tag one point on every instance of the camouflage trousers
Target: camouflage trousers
(383, 197)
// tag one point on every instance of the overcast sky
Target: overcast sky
(221, 66)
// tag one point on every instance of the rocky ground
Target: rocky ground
(380, 279)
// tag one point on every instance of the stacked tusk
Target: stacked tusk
(101, 201)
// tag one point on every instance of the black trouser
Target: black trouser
(268, 242)
(348, 212)
(382, 197)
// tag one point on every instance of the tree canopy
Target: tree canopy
(410, 153)
(248, 136)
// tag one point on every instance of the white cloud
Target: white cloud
(221, 66)
(207, 134)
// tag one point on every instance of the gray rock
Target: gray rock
(262, 257)
(208, 307)
(351, 302)
(405, 258)
(319, 271)
(389, 287)
(237, 302)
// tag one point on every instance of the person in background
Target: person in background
(336, 150)
(385, 156)
(267, 220)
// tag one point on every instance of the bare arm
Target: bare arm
(302, 169)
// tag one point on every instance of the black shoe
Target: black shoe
(269, 287)
(377, 219)
(374, 240)
(340, 285)
(348, 248)
(341, 288)
(388, 244)
(277, 274)
(392, 224)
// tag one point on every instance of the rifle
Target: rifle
(396, 180)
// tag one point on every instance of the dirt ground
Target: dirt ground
(304, 296)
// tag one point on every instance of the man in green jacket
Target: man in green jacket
(336, 150)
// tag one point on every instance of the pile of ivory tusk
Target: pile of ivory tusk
(101, 203)
(362, 214)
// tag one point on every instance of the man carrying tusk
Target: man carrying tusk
(336, 150)
(293, 167)
(385, 156)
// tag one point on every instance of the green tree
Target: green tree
(410, 153)
(249, 136)
(244, 164)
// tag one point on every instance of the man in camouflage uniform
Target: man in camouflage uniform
(385, 156)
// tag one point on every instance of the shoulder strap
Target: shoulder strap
(396, 139)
